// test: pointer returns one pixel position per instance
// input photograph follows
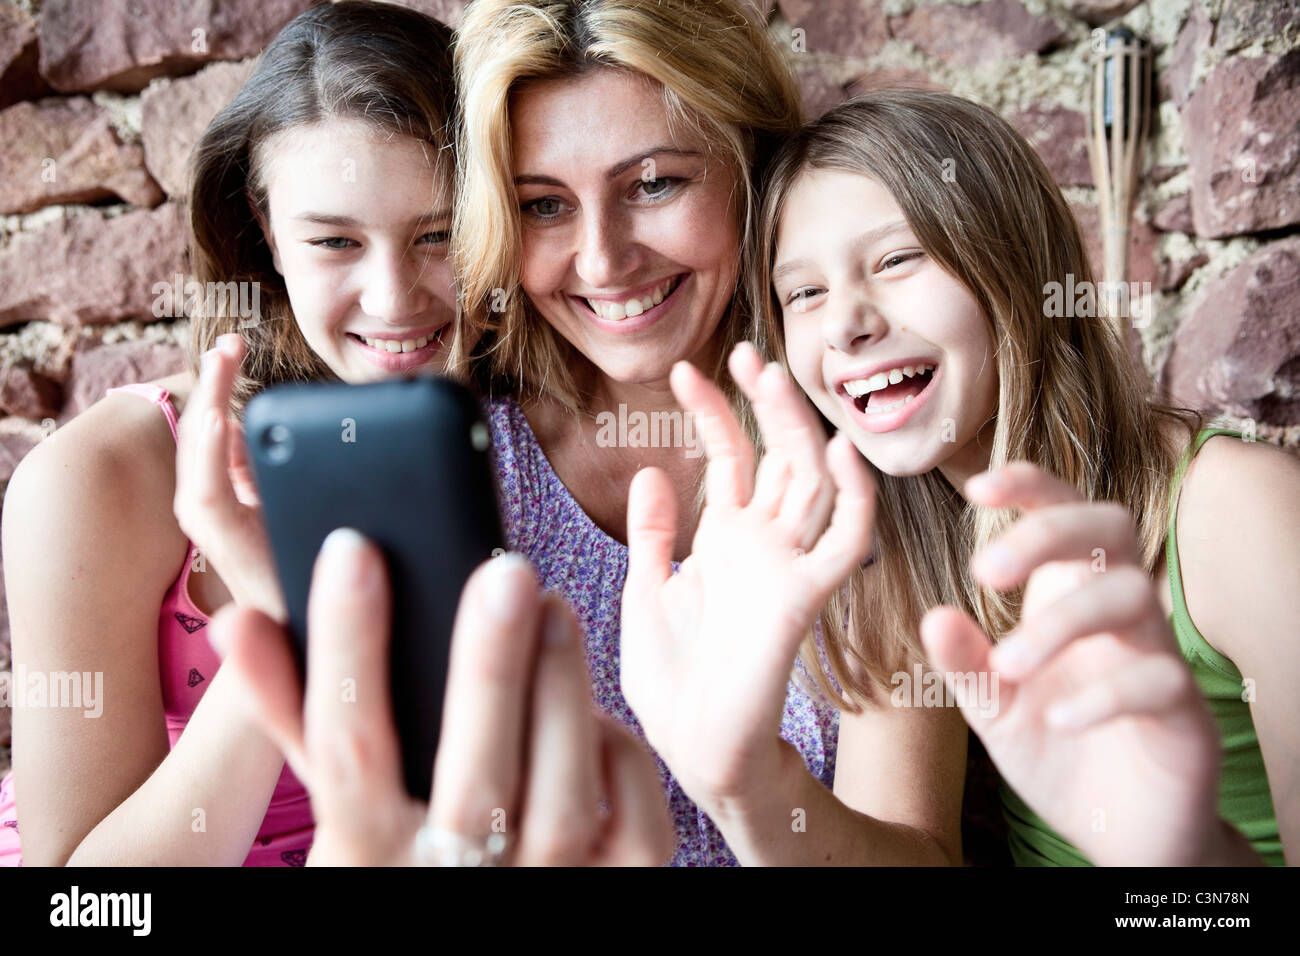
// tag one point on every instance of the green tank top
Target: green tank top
(1244, 798)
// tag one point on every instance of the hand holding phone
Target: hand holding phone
(406, 463)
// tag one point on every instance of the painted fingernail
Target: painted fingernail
(227, 342)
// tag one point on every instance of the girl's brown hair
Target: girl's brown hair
(383, 64)
(1070, 397)
(720, 75)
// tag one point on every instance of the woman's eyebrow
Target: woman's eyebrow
(533, 179)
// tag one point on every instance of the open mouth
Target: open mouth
(613, 311)
(889, 390)
(398, 346)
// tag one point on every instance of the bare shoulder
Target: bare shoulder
(109, 470)
(1238, 520)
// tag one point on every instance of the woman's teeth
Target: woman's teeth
(396, 345)
(862, 386)
(618, 311)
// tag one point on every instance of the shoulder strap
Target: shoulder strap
(156, 394)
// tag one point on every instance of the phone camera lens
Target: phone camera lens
(277, 442)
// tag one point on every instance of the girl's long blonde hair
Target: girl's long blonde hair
(1070, 397)
(721, 76)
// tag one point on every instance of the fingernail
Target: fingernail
(1010, 656)
(340, 556)
(1061, 714)
(996, 559)
(558, 629)
(207, 362)
(505, 586)
(227, 342)
(984, 482)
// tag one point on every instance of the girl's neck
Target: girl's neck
(969, 460)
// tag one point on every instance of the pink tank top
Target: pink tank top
(186, 663)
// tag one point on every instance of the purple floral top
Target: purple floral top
(577, 559)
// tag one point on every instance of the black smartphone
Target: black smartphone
(406, 463)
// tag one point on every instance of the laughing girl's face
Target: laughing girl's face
(358, 225)
(630, 237)
(892, 349)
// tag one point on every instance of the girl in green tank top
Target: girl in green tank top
(927, 286)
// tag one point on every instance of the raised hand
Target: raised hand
(707, 653)
(216, 501)
(527, 771)
(1097, 723)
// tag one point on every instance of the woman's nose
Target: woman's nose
(604, 253)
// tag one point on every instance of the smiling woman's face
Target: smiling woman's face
(358, 225)
(631, 244)
(894, 351)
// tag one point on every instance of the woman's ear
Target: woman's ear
(266, 231)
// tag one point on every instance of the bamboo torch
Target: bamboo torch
(1118, 126)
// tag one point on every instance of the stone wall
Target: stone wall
(100, 101)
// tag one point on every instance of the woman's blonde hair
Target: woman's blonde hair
(1070, 397)
(721, 76)
(376, 62)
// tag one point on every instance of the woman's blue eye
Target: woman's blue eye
(436, 238)
(659, 186)
(546, 207)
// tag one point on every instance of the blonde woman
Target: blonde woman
(1156, 560)
(103, 577)
(605, 224)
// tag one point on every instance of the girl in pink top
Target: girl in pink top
(336, 152)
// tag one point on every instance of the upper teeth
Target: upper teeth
(617, 311)
(399, 345)
(861, 386)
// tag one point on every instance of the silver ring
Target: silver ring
(436, 847)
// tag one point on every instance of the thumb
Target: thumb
(651, 529)
(959, 650)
